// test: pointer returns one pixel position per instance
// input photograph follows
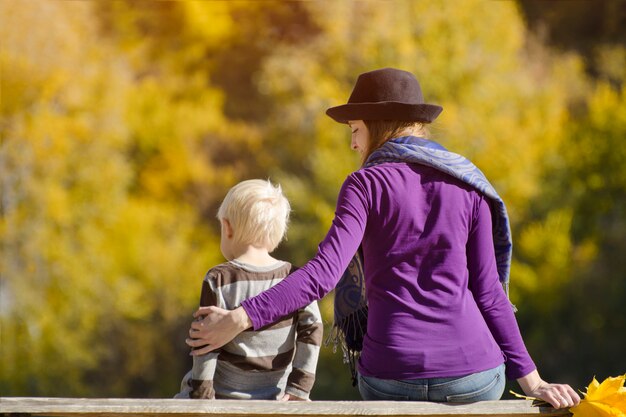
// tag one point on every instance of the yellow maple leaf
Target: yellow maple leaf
(607, 399)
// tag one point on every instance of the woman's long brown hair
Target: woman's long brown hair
(382, 130)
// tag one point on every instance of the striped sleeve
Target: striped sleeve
(308, 341)
(203, 370)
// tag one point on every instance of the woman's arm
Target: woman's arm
(307, 284)
(318, 276)
(498, 315)
(490, 296)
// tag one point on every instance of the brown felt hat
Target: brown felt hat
(386, 94)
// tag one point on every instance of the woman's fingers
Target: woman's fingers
(567, 396)
(195, 343)
(202, 311)
(560, 395)
(214, 327)
(198, 326)
(573, 395)
(201, 350)
(199, 336)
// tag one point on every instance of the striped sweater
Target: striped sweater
(264, 364)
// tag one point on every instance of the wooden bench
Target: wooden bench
(114, 407)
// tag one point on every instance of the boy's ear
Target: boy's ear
(228, 229)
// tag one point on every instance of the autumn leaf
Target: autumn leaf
(607, 399)
(536, 401)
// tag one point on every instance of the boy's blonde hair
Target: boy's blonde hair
(258, 213)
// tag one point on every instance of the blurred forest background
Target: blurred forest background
(124, 123)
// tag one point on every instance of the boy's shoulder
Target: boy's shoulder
(222, 273)
(226, 266)
(230, 272)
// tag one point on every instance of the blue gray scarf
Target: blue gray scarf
(350, 299)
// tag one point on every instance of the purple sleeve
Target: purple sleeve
(320, 275)
(490, 296)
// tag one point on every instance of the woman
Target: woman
(440, 326)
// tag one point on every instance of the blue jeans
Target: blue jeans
(481, 386)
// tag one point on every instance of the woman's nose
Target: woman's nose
(353, 145)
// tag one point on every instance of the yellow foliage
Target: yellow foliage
(606, 399)
(211, 20)
(117, 148)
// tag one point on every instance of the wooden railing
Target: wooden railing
(114, 407)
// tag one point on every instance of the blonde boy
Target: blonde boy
(279, 361)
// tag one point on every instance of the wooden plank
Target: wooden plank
(117, 407)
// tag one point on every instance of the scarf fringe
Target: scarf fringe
(352, 325)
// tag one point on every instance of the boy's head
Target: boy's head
(257, 212)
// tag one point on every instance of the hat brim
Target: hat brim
(389, 110)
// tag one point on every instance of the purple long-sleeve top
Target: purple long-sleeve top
(436, 306)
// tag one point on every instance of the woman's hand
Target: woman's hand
(291, 397)
(558, 395)
(214, 327)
